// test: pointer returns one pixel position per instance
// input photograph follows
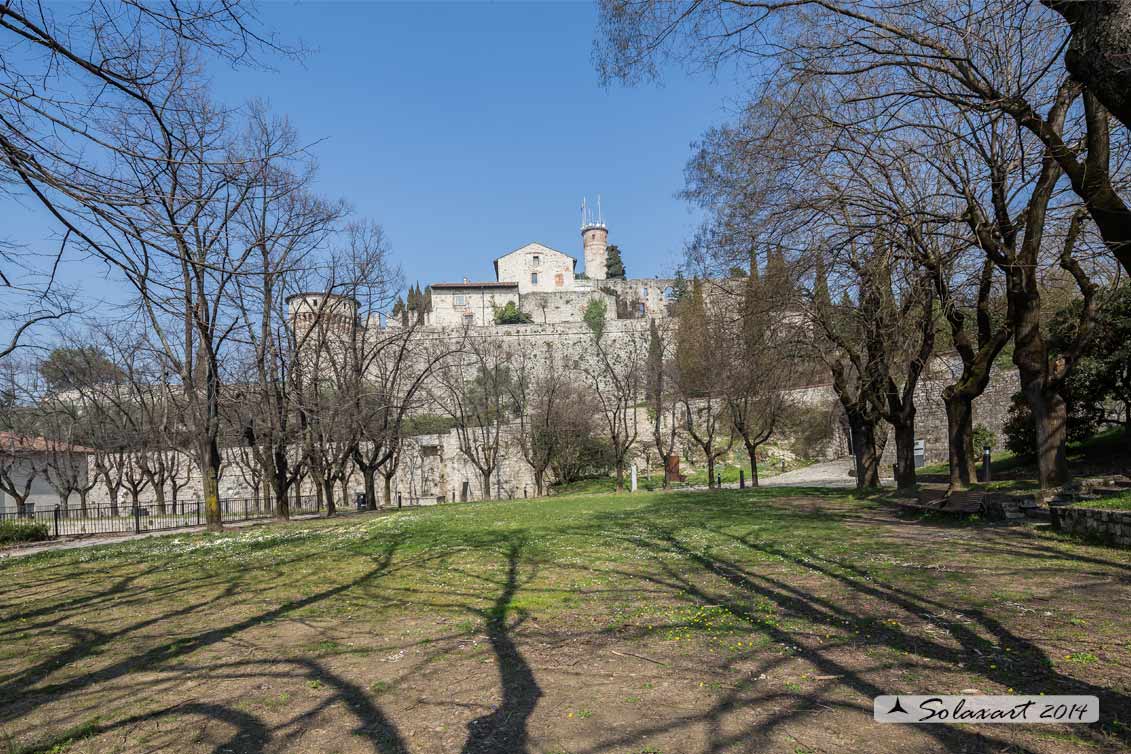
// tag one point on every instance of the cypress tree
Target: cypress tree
(655, 363)
(614, 266)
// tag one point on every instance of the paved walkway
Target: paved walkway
(828, 474)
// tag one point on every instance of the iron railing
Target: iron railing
(127, 518)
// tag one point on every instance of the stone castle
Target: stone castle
(545, 284)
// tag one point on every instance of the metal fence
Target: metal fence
(130, 519)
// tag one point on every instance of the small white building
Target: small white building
(469, 304)
(27, 467)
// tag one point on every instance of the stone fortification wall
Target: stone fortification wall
(643, 297)
(990, 409)
(563, 306)
(432, 469)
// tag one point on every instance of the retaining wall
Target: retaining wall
(1112, 527)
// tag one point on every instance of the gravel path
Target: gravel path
(828, 474)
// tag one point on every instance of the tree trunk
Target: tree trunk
(82, 502)
(210, 467)
(159, 495)
(620, 475)
(328, 496)
(960, 439)
(113, 492)
(864, 452)
(388, 491)
(710, 471)
(1050, 414)
(173, 497)
(1031, 357)
(538, 480)
(752, 451)
(486, 485)
(282, 500)
(369, 475)
(905, 454)
(279, 484)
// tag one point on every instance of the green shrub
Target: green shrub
(595, 313)
(511, 315)
(983, 438)
(427, 424)
(12, 532)
(1021, 432)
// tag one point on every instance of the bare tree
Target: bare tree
(21, 448)
(613, 365)
(475, 388)
(757, 369)
(996, 59)
(285, 225)
(700, 358)
(174, 242)
(538, 390)
(67, 78)
(661, 392)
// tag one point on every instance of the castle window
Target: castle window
(460, 300)
(537, 260)
(644, 292)
(534, 278)
(640, 309)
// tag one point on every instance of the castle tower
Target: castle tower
(331, 313)
(595, 241)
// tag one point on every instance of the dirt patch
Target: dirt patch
(707, 637)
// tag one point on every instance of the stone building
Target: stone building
(544, 283)
(35, 468)
(537, 268)
(469, 304)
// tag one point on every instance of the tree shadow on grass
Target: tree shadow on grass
(681, 569)
(742, 590)
(1024, 666)
(505, 729)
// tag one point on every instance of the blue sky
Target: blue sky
(469, 129)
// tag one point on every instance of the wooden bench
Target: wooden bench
(937, 499)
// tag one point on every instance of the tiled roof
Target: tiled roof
(13, 443)
(474, 285)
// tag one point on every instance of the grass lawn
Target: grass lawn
(1106, 453)
(1119, 503)
(697, 478)
(761, 620)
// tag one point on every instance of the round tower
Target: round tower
(595, 241)
(330, 312)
